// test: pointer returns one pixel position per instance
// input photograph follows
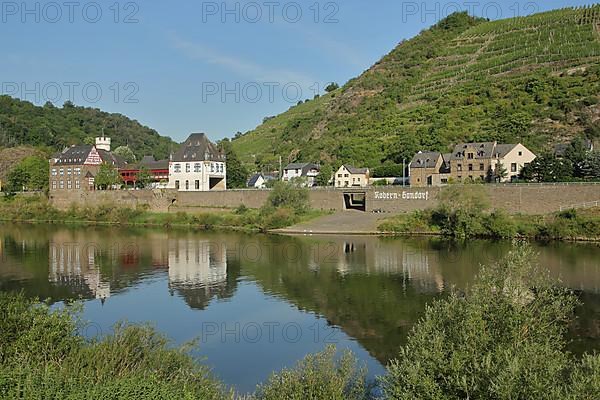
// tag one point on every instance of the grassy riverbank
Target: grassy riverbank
(286, 206)
(465, 213)
(502, 338)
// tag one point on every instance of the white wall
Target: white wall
(193, 171)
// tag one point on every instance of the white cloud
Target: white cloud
(239, 66)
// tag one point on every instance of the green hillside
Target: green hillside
(24, 124)
(532, 79)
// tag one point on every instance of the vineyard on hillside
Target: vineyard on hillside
(532, 79)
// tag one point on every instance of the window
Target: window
(187, 185)
(54, 185)
(470, 167)
(459, 167)
(470, 156)
(481, 167)
(197, 185)
(444, 180)
(69, 185)
(339, 175)
(177, 185)
(77, 185)
(345, 175)
(340, 182)
(61, 172)
(177, 168)
(187, 167)
(212, 167)
(513, 167)
(520, 153)
(197, 167)
(77, 171)
(61, 185)
(54, 172)
(69, 171)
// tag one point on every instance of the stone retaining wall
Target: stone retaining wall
(529, 199)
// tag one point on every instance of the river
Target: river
(258, 303)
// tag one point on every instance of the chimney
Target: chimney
(103, 143)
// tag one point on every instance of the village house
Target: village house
(348, 176)
(260, 180)
(306, 171)
(76, 167)
(158, 171)
(486, 161)
(198, 166)
(429, 169)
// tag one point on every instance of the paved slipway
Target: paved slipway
(343, 222)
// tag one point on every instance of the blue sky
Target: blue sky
(216, 67)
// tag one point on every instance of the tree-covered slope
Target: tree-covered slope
(532, 79)
(22, 123)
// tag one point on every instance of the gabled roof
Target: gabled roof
(427, 159)
(111, 158)
(482, 150)
(356, 171)
(197, 147)
(254, 178)
(304, 167)
(76, 155)
(503, 149)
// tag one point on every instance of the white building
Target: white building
(348, 176)
(308, 171)
(198, 166)
(513, 158)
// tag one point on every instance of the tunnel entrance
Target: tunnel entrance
(355, 201)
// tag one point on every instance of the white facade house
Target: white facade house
(348, 176)
(513, 158)
(198, 166)
(308, 171)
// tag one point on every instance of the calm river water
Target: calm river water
(257, 303)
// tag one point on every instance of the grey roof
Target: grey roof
(305, 167)
(76, 155)
(482, 150)
(253, 179)
(353, 170)
(427, 159)
(503, 149)
(197, 147)
(149, 162)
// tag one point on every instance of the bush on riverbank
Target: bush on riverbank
(286, 206)
(43, 357)
(502, 339)
(464, 212)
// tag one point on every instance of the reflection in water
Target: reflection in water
(373, 289)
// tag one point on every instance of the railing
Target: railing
(589, 204)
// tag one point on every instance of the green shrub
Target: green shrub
(503, 339)
(318, 376)
(498, 225)
(289, 196)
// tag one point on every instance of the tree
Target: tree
(290, 196)
(331, 87)
(143, 178)
(548, 168)
(237, 174)
(108, 177)
(460, 210)
(502, 339)
(38, 170)
(590, 168)
(500, 172)
(324, 175)
(577, 152)
(17, 179)
(126, 153)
